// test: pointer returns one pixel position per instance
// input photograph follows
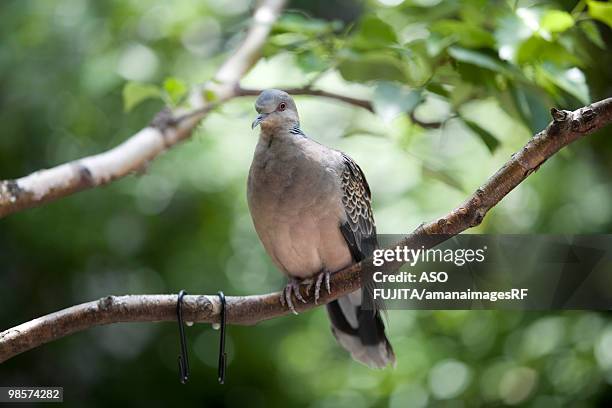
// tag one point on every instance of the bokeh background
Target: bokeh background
(74, 75)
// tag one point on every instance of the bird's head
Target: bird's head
(276, 110)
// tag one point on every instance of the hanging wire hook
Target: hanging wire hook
(183, 358)
(222, 354)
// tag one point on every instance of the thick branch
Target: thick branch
(166, 130)
(565, 128)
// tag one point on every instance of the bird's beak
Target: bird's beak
(258, 120)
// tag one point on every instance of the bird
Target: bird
(311, 208)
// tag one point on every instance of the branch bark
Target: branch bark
(565, 128)
(166, 130)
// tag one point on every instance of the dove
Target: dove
(311, 208)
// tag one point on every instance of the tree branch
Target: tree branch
(166, 130)
(362, 103)
(565, 128)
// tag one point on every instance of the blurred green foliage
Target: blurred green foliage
(487, 70)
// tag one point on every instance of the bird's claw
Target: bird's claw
(320, 277)
(292, 288)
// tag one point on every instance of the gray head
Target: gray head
(276, 110)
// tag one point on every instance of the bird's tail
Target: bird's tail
(360, 331)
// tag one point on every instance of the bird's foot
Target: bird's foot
(317, 281)
(292, 288)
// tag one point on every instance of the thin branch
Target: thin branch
(362, 103)
(565, 128)
(166, 130)
(424, 124)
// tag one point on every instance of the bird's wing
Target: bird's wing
(359, 230)
(357, 322)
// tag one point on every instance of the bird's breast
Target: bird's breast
(295, 200)
(290, 177)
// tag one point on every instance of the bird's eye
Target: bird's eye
(282, 107)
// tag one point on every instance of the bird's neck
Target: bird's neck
(277, 147)
(278, 126)
(286, 131)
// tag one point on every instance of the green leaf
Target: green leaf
(311, 61)
(479, 59)
(135, 92)
(590, 29)
(441, 175)
(510, 32)
(537, 49)
(571, 81)
(372, 66)
(556, 21)
(601, 11)
(297, 23)
(391, 99)
(374, 33)
(487, 138)
(438, 89)
(418, 68)
(463, 91)
(288, 39)
(531, 105)
(466, 34)
(175, 89)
